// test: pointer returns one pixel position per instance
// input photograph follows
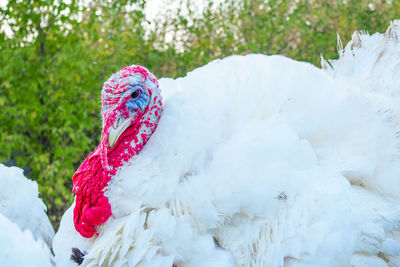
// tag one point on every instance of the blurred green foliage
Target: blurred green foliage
(56, 55)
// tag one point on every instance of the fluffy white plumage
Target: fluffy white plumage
(24, 226)
(260, 161)
(19, 248)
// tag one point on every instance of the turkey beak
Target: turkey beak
(119, 126)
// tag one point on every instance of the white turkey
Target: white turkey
(25, 230)
(254, 161)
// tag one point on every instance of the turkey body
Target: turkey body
(256, 161)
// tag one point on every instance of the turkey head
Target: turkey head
(131, 109)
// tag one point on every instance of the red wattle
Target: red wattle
(91, 206)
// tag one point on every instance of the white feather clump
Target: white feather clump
(370, 62)
(257, 161)
(24, 226)
(19, 248)
(20, 203)
(370, 65)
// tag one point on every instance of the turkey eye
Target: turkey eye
(135, 94)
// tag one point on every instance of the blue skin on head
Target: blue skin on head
(139, 102)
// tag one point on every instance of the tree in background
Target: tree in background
(56, 55)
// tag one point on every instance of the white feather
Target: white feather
(24, 226)
(20, 203)
(19, 248)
